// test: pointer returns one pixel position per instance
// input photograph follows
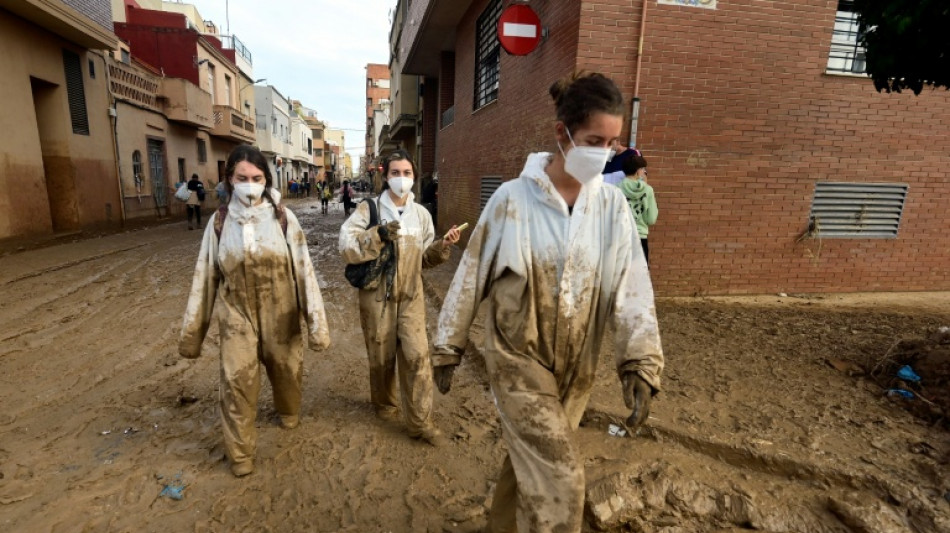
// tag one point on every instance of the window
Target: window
(181, 169)
(75, 93)
(211, 82)
(274, 127)
(126, 57)
(846, 54)
(369, 102)
(489, 184)
(487, 55)
(227, 89)
(137, 176)
(318, 152)
(92, 69)
(202, 151)
(317, 134)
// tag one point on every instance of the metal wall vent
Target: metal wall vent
(857, 210)
(489, 185)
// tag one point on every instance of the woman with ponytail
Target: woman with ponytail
(557, 256)
(254, 255)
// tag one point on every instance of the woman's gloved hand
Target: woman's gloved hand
(637, 394)
(388, 231)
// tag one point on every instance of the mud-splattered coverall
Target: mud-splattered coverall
(554, 282)
(395, 329)
(267, 284)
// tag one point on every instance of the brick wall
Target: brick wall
(99, 11)
(430, 124)
(738, 122)
(496, 139)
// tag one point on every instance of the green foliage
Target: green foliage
(907, 43)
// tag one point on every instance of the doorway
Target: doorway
(57, 167)
(156, 169)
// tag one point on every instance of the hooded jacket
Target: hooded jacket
(642, 204)
(555, 281)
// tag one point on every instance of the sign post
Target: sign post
(519, 30)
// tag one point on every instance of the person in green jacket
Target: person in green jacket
(639, 196)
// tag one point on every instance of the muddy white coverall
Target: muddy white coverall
(267, 284)
(554, 282)
(395, 329)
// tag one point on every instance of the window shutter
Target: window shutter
(858, 210)
(75, 92)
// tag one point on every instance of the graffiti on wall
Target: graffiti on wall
(706, 4)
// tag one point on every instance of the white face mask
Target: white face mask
(400, 186)
(584, 163)
(248, 193)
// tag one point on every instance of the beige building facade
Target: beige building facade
(57, 164)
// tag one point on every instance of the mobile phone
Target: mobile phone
(460, 228)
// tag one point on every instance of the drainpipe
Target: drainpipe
(635, 104)
(114, 118)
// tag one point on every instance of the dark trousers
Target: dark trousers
(646, 250)
(196, 210)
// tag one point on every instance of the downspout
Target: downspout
(114, 117)
(635, 104)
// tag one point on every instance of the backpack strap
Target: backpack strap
(223, 214)
(373, 213)
(219, 220)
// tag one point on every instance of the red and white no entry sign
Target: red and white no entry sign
(519, 30)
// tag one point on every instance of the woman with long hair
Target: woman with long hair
(557, 257)
(254, 255)
(393, 313)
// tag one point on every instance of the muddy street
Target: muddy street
(103, 426)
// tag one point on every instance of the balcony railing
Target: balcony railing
(183, 101)
(230, 124)
(132, 84)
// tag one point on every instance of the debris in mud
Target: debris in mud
(174, 490)
(616, 431)
(918, 369)
(184, 400)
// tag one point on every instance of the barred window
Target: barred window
(847, 54)
(487, 55)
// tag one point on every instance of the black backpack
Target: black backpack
(366, 275)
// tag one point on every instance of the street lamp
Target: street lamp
(247, 105)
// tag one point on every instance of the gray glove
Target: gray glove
(387, 232)
(443, 377)
(637, 394)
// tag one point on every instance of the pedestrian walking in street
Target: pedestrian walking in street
(640, 198)
(197, 196)
(393, 313)
(255, 256)
(346, 198)
(556, 255)
(325, 195)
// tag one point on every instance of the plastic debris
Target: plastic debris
(907, 374)
(616, 431)
(906, 394)
(175, 492)
(106, 432)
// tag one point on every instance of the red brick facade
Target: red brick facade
(374, 72)
(738, 121)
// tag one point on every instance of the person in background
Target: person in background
(346, 198)
(326, 193)
(618, 154)
(193, 205)
(255, 257)
(639, 197)
(557, 256)
(393, 315)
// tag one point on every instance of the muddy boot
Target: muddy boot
(289, 421)
(242, 469)
(433, 436)
(388, 413)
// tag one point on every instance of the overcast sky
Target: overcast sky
(314, 51)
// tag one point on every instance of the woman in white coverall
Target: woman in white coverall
(254, 254)
(393, 317)
(557, 256)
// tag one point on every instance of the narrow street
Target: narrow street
(753, 430)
